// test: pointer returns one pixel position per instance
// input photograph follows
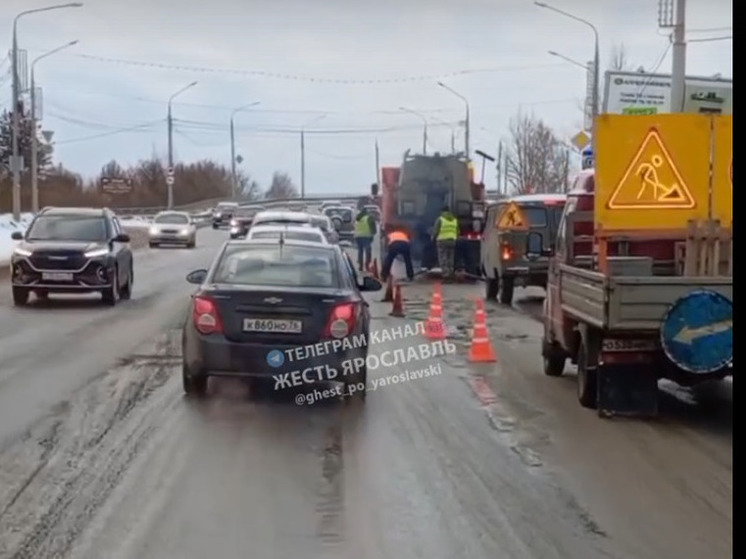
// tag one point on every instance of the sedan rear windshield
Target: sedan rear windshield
(280, 266)
(280, 221)
(343, 213)
(310, 236)
(68, 228)
(172, 218)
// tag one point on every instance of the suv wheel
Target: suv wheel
(125, 293)
(20, 296)
(109, 295)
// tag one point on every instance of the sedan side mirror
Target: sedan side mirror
(122, 238)
(371, 284)
(197, 277)
(16, 236)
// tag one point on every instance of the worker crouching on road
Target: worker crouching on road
(445, 234)
(398, 245)
(365, 231)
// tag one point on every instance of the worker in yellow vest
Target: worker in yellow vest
(398, 245)
(365, 231)
(445, 234)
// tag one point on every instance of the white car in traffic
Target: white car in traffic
(307, 233)
(172, 228)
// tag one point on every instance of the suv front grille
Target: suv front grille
(58, 260)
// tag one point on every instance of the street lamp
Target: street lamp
(15, 162)
(303, 153)
(468, 119)
(170, 125)
(424, 132)
(234, 179)
(34, 138)
(596, 60)
(568, 59)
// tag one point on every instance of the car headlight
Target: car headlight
(22, 252)
(153, 230)
(234, 223)
(185, 231)
(96, 252)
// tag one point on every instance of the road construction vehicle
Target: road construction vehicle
(413, 196)
(517, 241)
(630, 308)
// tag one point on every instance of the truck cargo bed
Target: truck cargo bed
(628, 303)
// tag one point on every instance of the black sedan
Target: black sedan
(289, 311)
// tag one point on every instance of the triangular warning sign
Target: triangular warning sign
(512, 218)
(651, 181)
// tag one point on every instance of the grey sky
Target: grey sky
(353, 40)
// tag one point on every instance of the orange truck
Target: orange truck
(413, 196)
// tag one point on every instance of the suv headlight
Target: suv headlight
(234, 223)
(153, 230)
(185, 231)
(96, 252)
(22, 252)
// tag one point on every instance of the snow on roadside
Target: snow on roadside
(135, 221)
(7, 227)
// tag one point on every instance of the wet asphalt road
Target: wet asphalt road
(101, 456)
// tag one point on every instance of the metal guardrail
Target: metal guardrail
(205, 204)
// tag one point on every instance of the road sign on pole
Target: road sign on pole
(116, 185)
(170, 171)
(169, 180)
(580, 140)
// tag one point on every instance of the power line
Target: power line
(295, 77)
(139, 128)
(709, 39)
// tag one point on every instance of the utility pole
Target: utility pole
(424, 129)
(34, 132)
(499, 166)
(378, 164)
(453, 141)
(170, 125)
(678, 73)
(302, 163)
(233, 162)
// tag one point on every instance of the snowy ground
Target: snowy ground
(8, 226)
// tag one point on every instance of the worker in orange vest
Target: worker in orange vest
(398, 245)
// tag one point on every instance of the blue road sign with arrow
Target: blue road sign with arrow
(587, 155)
(697, 332)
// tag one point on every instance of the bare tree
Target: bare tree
(619, 60)
(248, 188)
(536, 161)
(281, 187)
(112, 170)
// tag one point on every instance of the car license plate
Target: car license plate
(626, 345)
(272, 325)
(57, 276)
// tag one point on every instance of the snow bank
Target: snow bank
(7, 227)
(135, 221)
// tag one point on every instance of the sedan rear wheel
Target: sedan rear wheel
(195, 384)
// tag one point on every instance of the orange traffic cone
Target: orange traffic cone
(434, 327)
(481, 350)
(388, 297)
(398, 307)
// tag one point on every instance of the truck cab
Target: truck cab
(516, 251)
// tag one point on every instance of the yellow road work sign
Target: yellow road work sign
(512, 218)
(652, 180)
(722, 169)
(652, 171)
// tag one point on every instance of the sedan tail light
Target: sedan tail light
(206, 317)
(342, 320)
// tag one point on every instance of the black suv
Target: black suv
(72, 250)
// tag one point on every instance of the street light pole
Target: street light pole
(678, 71)
(15, 163)
(170, 125)
(34, 136)
(467, 123)
(596, 62)
(424, 131)
(303, 154)
(234, 177)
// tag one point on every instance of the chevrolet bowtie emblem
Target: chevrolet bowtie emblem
(273, 300)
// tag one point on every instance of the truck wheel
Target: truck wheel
(506, 291)
(587, 379)
(491, 287)
(554, 359)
